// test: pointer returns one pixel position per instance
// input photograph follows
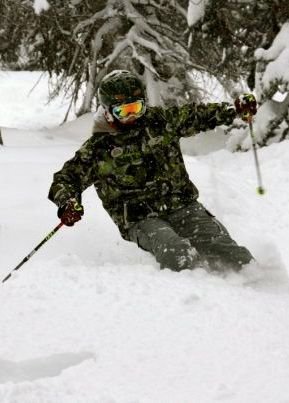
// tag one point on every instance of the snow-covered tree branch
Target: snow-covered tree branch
(272, 89)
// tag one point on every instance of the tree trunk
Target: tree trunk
(152, 88)
(89, 91)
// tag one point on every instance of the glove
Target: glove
(246, 106)
(70, 213)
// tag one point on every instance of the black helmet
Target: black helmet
(119, 86)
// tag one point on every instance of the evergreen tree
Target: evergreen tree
(15, 34)
(272, 88)
(224, 41)
(80, 41)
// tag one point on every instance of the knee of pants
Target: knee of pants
(169, 249)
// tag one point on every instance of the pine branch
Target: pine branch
(120, 47)
(143, 60)
(134, 36)
(173, 3)
(107, 12)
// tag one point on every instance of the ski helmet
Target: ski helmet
(118, 87)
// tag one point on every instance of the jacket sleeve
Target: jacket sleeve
(76, 175)
(190, 119)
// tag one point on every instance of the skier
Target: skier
(133, 158)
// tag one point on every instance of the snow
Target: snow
(90, 318)
(16, 91)
(268, 112)
(272, 78)
(196, 11)
(40, 5)
(278, 57)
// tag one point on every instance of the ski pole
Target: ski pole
(34, 251)
(260, 189)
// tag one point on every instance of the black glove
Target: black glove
(70, 213)
(246, 106)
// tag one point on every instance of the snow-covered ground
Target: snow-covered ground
(91, 318)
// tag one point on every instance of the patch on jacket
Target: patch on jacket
(116, 152)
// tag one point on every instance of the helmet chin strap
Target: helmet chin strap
(108, 116)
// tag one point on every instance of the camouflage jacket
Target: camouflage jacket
(138, 171)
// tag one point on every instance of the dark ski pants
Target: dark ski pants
(187, 238)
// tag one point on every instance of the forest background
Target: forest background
(175, 46)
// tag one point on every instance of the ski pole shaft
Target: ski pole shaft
(34, 251)
(260, 188)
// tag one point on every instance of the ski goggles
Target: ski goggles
(124, 111)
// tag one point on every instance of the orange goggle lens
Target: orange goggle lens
(123, 111)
